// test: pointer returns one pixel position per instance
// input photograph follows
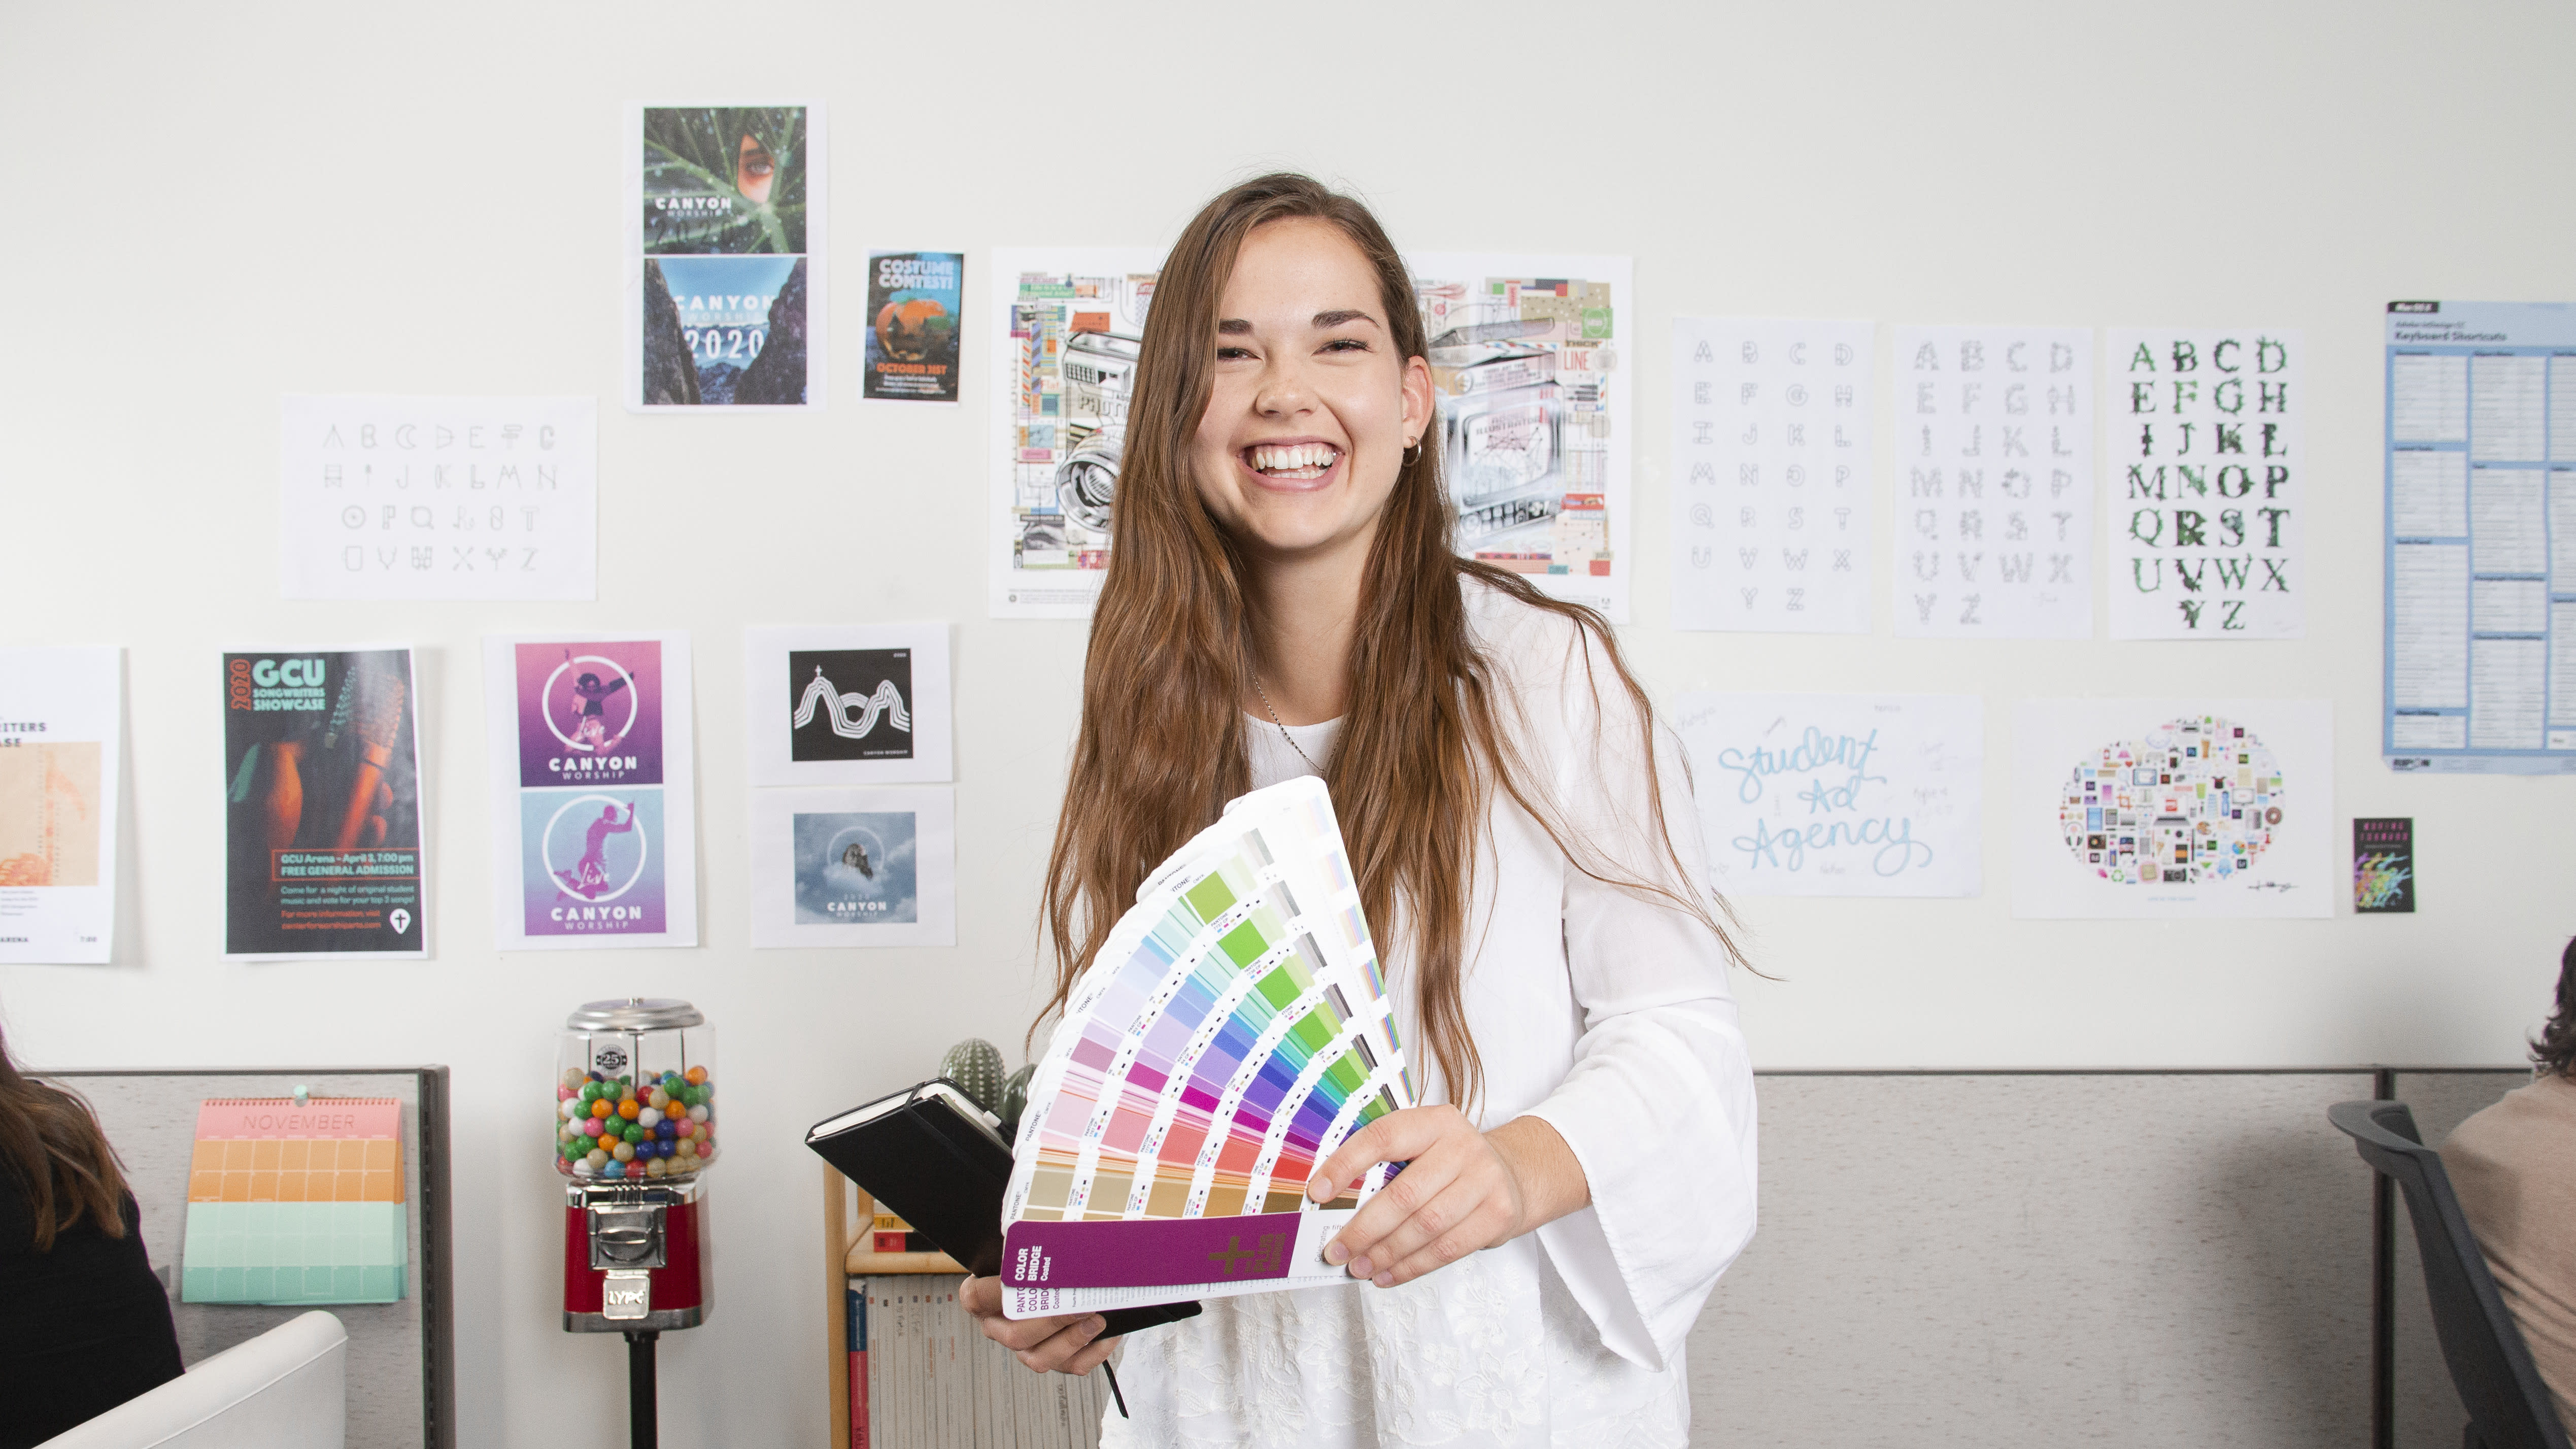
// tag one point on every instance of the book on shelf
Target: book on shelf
(923, 1377)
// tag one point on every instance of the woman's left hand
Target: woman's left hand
(1460, 1190)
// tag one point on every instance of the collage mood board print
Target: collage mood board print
(726, 230)
(1068, 325)
(1534, 415)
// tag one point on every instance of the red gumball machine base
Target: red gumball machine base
(635, 1258)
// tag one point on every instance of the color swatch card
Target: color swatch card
(1232, 1032)
(293, 1203)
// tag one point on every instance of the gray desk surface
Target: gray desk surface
(401, 1354)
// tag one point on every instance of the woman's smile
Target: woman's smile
(1299, 465)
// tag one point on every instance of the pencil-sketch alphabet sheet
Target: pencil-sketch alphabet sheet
(1771, 468)
(439, 497)
(1994, 498)
(2206, 462)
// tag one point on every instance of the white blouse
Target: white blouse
(1599, 1009)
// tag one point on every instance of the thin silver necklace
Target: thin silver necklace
(1283, 726)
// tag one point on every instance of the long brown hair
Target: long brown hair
(2554, 1053)
(52, 1145)
(1425, 742)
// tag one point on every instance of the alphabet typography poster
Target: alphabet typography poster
(1771, 463)
(1839, 794)
(2173, 808)
(2207, 467)
(1067, 324)
(724, 256)
(851, 704)
(322, 829)
(593, 815)
(1535, 430)
(59, 747)
(440, 498)
(854, 867)
(1994, 512)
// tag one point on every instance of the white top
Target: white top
(1600, 1010)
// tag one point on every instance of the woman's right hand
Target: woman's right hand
(1063, 1345)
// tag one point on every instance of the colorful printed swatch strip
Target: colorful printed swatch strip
(1233, 1030)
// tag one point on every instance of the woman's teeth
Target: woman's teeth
(1304, 460)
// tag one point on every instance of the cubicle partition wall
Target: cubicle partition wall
(401, 1384)
(2039, 1258)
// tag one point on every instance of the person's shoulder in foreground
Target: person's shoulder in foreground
(2514, 1168)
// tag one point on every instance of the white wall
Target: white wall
(207, 206)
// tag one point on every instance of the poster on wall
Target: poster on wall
(594, 838)
(1066, 325)
(2480, 624)
(2383, 865)
(854, 867)
(847, 704)
(725, 253)
(1535, 413)
(1994, 475)
(2206, 482)
(1771, 468)
(915, 306)
(2169, 809)
(60, 734)
(1839, 794)
(322, 832)
(439, 497)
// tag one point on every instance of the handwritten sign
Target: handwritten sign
(1839, 794)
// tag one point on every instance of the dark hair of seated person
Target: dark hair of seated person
(84, 1326)
(2554, 1054)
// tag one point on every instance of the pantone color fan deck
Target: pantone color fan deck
(1231, 1033)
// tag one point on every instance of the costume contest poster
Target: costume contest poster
(913, 300)
(322, 805)
(59, 731)
(592, 812)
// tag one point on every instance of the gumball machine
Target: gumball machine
(635, 1132)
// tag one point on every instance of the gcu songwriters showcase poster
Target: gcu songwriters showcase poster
(322, 805)
(593, 815)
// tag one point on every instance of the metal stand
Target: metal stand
(643, 1429)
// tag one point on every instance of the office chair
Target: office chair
(2508, 1405)
(286, 1389)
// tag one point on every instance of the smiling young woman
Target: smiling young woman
(1283, 599)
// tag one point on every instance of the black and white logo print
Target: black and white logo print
(849, 704)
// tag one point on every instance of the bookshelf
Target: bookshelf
(849, 1248)
(982, 1399)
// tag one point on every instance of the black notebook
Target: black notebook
(935, 1159)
